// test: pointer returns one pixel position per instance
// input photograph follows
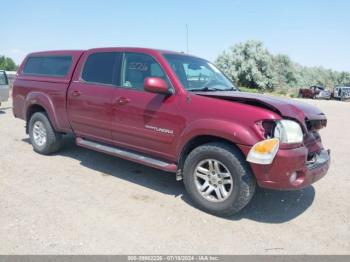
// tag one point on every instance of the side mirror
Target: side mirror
(156, 85)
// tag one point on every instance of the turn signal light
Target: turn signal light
(264, 151)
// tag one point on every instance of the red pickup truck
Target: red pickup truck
(173, 112)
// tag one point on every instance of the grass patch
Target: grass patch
(291, 92)
(249, 90)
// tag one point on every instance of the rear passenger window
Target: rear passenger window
(102, 68)
(56, 66)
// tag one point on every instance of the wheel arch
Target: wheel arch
(199, 140)
(213, 130)
(34, 108)
(39, 102)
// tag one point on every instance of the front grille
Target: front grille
(312, 139)
(314, 125)
(313, 142)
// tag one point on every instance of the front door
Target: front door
(144, 121)
(90, 98)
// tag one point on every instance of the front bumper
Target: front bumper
(288, 162)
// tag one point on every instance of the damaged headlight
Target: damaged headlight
(288, 132)
(276, 133)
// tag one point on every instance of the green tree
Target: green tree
(344, 79)
(251, 65)
(7, 64)
(284, 72)
(248, 64)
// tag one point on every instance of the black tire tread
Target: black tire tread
(246, 179)
(54, 139)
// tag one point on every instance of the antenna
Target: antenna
(187, 38)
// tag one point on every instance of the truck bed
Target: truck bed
(43, 86)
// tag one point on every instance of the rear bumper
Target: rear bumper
(289, 162)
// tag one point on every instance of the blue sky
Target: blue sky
(311, 32)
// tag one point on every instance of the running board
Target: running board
(128, 155)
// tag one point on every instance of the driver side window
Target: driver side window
(137, 67)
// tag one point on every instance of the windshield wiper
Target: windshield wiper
(208, 89)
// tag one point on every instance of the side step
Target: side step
(128, 155)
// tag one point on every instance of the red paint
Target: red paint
(156, 85)
(129, 118)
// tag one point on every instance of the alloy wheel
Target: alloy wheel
(213, 180)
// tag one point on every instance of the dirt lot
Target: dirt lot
(83, 202)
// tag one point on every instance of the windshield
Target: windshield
(198, 74)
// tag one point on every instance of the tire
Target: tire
(227, 157)
(52, 141)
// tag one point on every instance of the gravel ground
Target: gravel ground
(83, 202)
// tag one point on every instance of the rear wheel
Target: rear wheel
(218, 179)
(42, 135)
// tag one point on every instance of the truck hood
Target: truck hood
(288, 108)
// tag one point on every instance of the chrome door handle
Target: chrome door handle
(76, 93)
(122, 101)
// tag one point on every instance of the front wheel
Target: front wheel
(43, 137)
(218, 179)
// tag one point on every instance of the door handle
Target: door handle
(76, 93)
(122, 101)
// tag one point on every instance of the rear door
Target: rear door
(90, 95)
(4, 87)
